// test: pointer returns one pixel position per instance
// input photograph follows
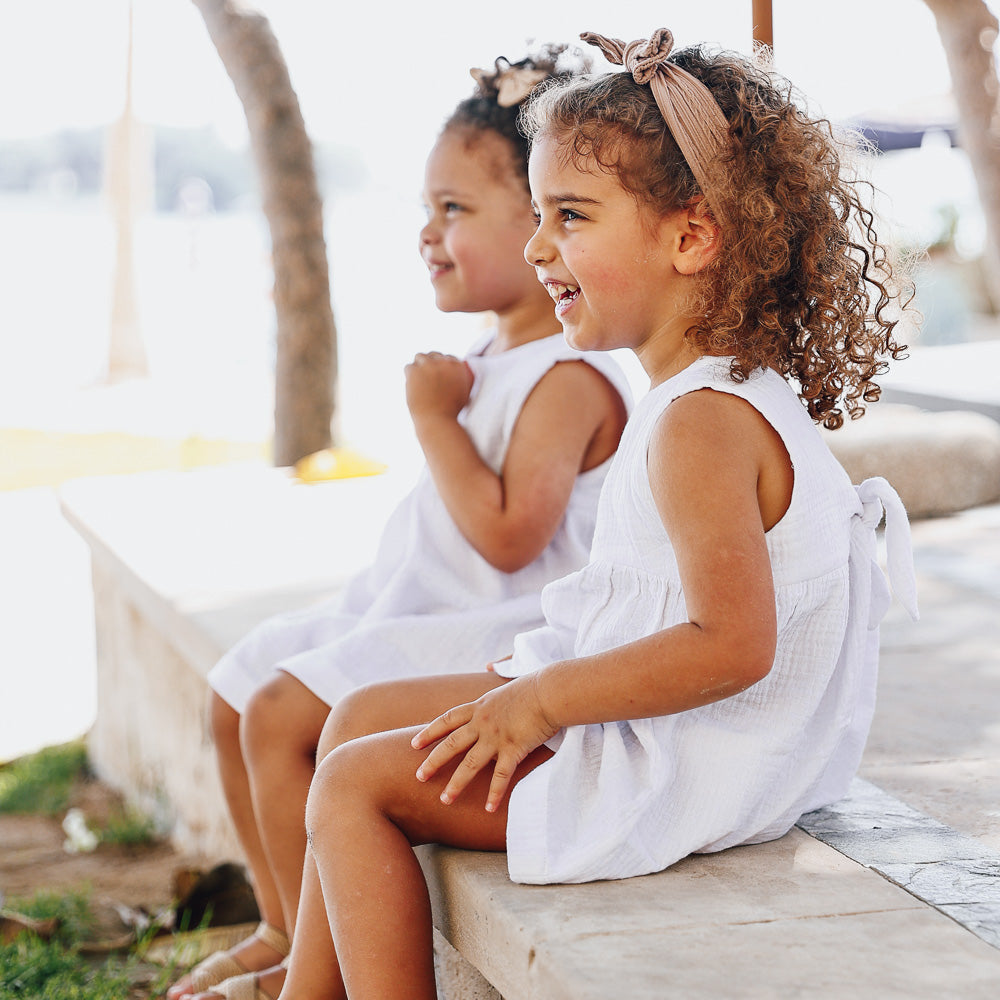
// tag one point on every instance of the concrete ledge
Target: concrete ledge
(939, 463)
(185, 563)
(789, 918)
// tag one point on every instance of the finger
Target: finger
(441, 726)
(471, 764)
(451, 746)
(503, 773)
(492, 667)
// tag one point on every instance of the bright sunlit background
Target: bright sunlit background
(374, 85)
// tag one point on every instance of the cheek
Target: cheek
(505, 250)
(606, 280)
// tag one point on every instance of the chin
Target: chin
(447, 305)
(579, 341)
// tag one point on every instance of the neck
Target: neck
(532, 319)
(668, 352)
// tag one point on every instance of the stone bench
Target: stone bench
(938, 462)
(185, 563)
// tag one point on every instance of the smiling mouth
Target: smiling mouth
(436, 270)
(563, 295)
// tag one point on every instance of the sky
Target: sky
(382, 77)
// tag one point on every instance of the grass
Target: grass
(42, 782)
(128, 828)
(47, 458)
(35, 969)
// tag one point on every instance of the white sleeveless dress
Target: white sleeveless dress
(629, 798)
(429, 603)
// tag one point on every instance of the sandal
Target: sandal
(222, 967)
(245, 987)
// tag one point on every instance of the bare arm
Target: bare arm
(707, 460)
(570, 421)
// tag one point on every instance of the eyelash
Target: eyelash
(566, 215)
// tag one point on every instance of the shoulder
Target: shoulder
(578, 384)
(705, 431)
(706, 414)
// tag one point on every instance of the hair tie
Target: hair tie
(690, 111)
(512, 83)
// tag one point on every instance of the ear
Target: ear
(695, 239)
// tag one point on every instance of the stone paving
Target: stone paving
(926, 812)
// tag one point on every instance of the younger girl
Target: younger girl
(517, 440)
(709, 675)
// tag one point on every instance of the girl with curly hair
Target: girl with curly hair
(709, 675)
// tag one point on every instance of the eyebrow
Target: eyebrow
(575, 199)
(449, 192)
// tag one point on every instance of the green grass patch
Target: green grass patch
(42, 782)
(127, 829)
(35, 969)
(71, 909)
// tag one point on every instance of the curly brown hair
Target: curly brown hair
(483, 112)
(800, 283)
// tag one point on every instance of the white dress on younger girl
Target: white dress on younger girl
(629, 798)
(429, 603)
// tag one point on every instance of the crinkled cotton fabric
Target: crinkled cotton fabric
(429, 603)
(630, 798)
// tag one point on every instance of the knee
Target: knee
(272, 719)
(225, 724)
(354, 716)
(333, 786)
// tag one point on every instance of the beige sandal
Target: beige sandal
(245, 987)
(222, 967)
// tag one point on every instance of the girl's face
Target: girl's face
(479, 217)
(606, 261)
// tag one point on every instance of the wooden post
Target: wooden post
(126, 352)
(763, 30)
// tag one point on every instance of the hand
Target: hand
(504, 725)
(437, 384)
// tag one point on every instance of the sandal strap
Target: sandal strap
(274, 937)
(245, 987)
(214, 970)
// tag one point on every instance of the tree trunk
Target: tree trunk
(968, 30)
(306, 366)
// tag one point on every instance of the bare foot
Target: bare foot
(263, 949)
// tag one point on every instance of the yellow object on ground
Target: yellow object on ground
(31, 457)
(335, 463)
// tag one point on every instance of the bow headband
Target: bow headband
(512, 83)
(691, 112)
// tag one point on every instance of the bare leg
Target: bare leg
(313, 969)
(281, 728)
(252, 953)
(366, 810)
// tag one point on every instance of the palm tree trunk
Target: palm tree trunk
(306, 366)
(968, 30)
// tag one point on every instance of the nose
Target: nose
(428, 234)
(537, 250)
